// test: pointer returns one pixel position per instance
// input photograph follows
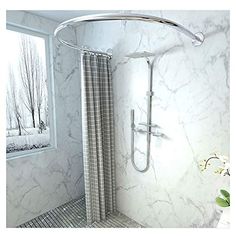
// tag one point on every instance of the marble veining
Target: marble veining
(43, 181)
(190, 104)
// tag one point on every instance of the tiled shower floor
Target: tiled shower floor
(73, 215)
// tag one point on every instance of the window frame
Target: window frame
(50, 88)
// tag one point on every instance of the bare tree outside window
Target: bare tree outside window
(13, 99)
(10, 116)
(27, 95)
(29, 71)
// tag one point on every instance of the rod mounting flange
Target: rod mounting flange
(200, 38)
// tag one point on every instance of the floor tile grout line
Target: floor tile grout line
(60, 222)
(67, 221)
(70, 219)
(52, 220)
(42, 220)
(73, 215)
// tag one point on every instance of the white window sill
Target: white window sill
(28, 153)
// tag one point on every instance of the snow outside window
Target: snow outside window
(29, 111)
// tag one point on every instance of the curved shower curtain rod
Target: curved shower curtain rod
(197, 38)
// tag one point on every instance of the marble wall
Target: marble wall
(190, 104)
(42, 181)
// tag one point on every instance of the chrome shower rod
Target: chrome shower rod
(197, 38)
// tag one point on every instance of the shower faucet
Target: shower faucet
(142, 131)
(150, 125)
(148, 132)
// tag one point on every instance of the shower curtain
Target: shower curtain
(98, 136)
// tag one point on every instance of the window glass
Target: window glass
(27, 106)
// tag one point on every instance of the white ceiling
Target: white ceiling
(61, 15)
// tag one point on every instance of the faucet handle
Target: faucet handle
(161, 135)
(149, 125)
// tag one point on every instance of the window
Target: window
(29, 102)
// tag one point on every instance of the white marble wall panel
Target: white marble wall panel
(43, 181)
(190, 103)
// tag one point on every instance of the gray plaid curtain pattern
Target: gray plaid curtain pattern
(98, 137)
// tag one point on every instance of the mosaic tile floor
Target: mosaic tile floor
(73, 215)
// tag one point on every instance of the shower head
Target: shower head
(140, 54)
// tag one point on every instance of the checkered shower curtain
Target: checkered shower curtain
(98, 136)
